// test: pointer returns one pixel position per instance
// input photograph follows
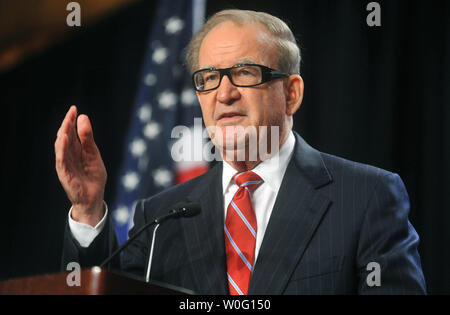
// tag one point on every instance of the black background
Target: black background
(377, 95)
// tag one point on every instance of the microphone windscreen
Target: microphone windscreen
(186, 209)
(191, 209)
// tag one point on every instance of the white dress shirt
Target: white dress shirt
(271, 172)
(263, 198)
(84, 233)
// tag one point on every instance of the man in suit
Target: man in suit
(293, 221)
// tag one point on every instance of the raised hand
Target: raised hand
(80, 168)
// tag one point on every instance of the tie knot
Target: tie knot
(247, 179)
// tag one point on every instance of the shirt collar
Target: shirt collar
(270, 170)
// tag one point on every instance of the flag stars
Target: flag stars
(188, 97)
(130, 181)
(150, 79)
(152, 130)
(162, 177)
(174, 25)
(167, 99)
(164, 97)
(145, 113)
(138, 147)
(121, 215)
(160, 55)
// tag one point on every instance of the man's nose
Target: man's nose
(227, 93)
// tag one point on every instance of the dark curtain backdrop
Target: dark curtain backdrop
(375, 95)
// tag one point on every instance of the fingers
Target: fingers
(75, 141)
(66, 140)
(68, 122)
(85, 134)
(60, 153)
(62, 136)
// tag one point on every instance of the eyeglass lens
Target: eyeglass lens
(243, 76)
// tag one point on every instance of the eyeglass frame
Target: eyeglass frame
(267, 75)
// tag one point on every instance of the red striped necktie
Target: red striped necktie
(240, 233)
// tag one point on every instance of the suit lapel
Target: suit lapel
(204, 235)
(296, 214)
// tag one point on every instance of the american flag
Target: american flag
(165, 99)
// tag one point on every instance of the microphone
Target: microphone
(181, 209)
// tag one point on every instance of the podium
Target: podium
(93, 281)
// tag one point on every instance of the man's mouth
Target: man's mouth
(230, 117)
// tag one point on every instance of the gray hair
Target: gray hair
(289, 57)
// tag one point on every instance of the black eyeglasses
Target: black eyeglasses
(242, 75)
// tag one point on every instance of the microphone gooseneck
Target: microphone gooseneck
(186, 210)
(182, 209)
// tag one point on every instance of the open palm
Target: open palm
(80, 167)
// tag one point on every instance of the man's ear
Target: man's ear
(294, 94)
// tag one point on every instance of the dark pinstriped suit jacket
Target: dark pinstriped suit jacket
(332, 217)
